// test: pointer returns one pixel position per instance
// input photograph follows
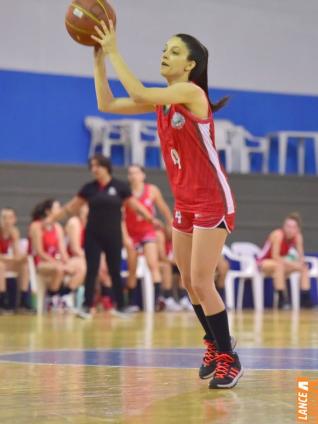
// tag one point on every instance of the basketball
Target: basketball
(83, 15)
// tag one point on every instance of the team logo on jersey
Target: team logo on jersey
(112, 191)
(177, 121)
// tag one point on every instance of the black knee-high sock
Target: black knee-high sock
(201, 317)
(132, 296)
(167, 293)
(157, 286)
(219, 326)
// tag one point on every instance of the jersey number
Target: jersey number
(175, 158)
(178, 217)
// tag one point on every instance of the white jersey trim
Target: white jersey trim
(214, 159)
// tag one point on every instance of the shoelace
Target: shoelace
(223, 365)
(210, 353)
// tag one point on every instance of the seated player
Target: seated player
(50, 255)
(12, 259)
(282, 254)
(141, 235)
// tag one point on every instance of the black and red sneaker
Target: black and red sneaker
(208, 364)
(227, 372)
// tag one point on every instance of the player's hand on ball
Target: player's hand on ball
(106, 37)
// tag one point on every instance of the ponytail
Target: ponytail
(199, 74)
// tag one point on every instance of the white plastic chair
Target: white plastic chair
(117, 133)
(38, 286)
(248, 270)
(312, 261)
(224, 132)
(283, 137)
(251, 249)
(144, 274)
(138, 130)
(239, 145)
(95, 126)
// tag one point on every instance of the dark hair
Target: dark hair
(199, 74)
(142, 169)
(295, 216)
(40, 210)
(102, 161)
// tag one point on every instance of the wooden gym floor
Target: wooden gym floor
(60, 369)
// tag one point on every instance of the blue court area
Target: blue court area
(251, 358)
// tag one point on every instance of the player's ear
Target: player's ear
(191, 65)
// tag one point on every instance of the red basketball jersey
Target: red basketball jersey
(5, 244)
(285, 245)
(197, 179)
(50, 243)
(135, 223)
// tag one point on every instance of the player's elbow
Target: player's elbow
(140, 95)
(103, 108)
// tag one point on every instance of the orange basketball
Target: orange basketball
(83, 15)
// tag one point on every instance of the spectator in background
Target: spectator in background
(50, 255)
(141, 235)
(282, 254)
(105, 196)
(11, 257)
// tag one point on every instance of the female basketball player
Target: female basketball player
(142, 233)
(204, 206)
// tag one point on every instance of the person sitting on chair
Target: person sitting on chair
(11, 257)
(282, 254)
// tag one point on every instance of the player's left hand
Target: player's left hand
(106, 37)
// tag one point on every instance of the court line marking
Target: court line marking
(143, 367)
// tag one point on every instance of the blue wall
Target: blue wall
(41, 116)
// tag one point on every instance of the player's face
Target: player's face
(56, 207)
(174, 59)
(290, 228)
(135, 175)
(99, 172)
(8, 218)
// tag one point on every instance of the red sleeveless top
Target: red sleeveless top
(285, 245)
(136, 224)
(197, 179)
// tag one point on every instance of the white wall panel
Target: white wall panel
(259, 45)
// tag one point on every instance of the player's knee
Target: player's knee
(198, 289)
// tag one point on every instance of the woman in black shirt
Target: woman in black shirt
(105, 196)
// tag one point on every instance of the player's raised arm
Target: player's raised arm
(105, 100)
(180, 92)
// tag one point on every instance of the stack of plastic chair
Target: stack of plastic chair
(224, 132)
(95, 126)
(245, 144)
(145, 139)
(117, 133)
(299, 139)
